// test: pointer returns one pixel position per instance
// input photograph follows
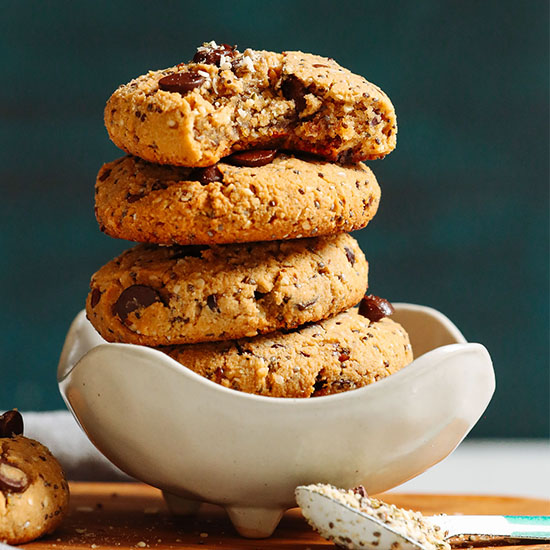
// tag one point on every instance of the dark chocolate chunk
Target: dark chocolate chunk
(213, 56)
(346, 156)
(344, 355)
(259, 295)
(360, 490)
(350, 255)
(206, 175)
(133, 198)
(103, 176)
(319, 384)
(12, 479)
(239, 348)
(294, 89)
(188, 251)
(212, 302)
(135, 297)
(254, 158)
(375, 308)
(94, 298)
(11, 424)
(181, 83)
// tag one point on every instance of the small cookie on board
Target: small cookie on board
(161, 295)
(339, 354)
(34, 494)
(225, 101)
(277, 196)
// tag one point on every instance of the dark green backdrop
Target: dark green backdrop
(463, 224)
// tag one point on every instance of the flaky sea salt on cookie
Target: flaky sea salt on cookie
(224, 101)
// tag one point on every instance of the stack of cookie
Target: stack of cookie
(242, 179)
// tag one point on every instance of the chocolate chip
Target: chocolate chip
(103, 176)
(213, 56)
(344, 356)
(375, 308)
(259, 295)
(188, 251)
(12, 479)
(239, 348)
(219, 375)
(212, 302)
(346, 157)
(133, 198)
(293, 89)
(11, 424)
(94, 298)
(254, 158)
(135, 297)
(206, 175)
(181, 83)
(350, 255)
(319, 384)
(360, 490)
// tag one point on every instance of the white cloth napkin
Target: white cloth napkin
(60, 432)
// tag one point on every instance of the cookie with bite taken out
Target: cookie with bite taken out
(225, 101)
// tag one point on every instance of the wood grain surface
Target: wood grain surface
(133, 515)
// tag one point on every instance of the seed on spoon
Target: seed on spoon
(353, 520)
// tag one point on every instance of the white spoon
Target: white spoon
(336, 516)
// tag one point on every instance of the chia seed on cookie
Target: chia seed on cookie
(196, 113)
(339, 354)
(284, 198)
(161, 295)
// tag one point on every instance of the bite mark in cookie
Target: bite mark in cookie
(224, 101)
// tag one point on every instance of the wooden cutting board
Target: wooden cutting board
(133, 515)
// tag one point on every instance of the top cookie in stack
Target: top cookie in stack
(249, 148)
(225, 101)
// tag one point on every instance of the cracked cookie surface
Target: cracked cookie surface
(338, 354)
(287, 198)
(34, 494)
(162, 295)
(194, 114)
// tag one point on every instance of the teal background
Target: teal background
(463, 224)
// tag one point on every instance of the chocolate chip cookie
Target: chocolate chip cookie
(34, 494)
(245, 197)
(223, 101)
(342, 353)
(161, 295)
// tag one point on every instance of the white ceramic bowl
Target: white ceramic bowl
(200, 442)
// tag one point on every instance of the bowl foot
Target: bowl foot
(254, 523)
(181, 506)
